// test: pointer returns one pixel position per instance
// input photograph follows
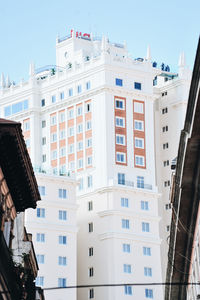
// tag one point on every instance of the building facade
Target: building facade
(54, 229)
(110, 120)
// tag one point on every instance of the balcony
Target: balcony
(130, 184)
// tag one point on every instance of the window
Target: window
(80, 187)
(147, 251)
(165, 110)
(121, 157)
(40, 212)
(44, 158)
(139, 107)
(88, 125)
(62, 193)
(62, 215)
(89, 160)
(40, 258)
(79, 110)
(144, 205)
(90, 251)
(88, 107)
(40, 237)
(43, 102)
(79, 89)
(62, 260)
(137, 86)
(44, 141)
(90, 227)
(54, 154)
(62, 170)
(145, 227)
(62, 95)
(166, 183)
(70, 114)
(91, 272)
(80, 163)
(140, 182)
(62, 240)
(41, 190)
(124, 202)
(27, 142)
(70, 92)
(27, 126)
(71, 131)
(165, 146)
(43, 123)
(167, 228)
(147, 271)
(120, 139)
(139, 143)
(166, 163)
(80, 145)
(119, 104)
(53, 137)
(127, 268)
(128, 290)
(62, 282)
(62, 152)
(72, 165)
(53, 120)
(71, 148)
(16, 108)
(89, 181)
(61, 117)
(90, 205)
(91, 293)
(62, 134)
(89, 143)
(120, 122)
(118, 82)
(149, 293)
(80, 128)
(121, 178)
(165, 128)
(168, 206)
(125, 224)
(126, 248)
(139, 125)
(39, 281)
(139, 160)
(53, 99)
(88, 85)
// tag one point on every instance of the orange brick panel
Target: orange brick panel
(70, 123)
(62, 143)
(62, 126)
(79, 119)
(53, 128)
(62, 160)
(54, 163)
(79, 137)
(88, 116)
(89, 151)
(26, 134)
(71, 157)
(53, 146)
(79, 154)
(71, 140)
(88, 134)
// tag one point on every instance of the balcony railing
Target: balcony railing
(144, 186)
(125, 182)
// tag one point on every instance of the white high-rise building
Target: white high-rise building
(115, 123)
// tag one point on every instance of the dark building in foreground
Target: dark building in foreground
(18, 191)
(184, 245)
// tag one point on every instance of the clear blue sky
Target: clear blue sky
(29, 29)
